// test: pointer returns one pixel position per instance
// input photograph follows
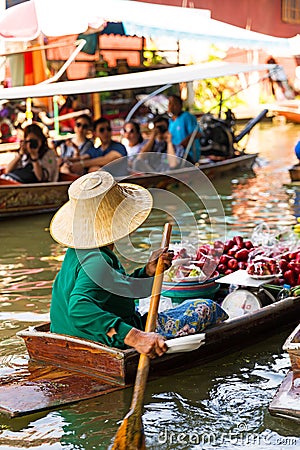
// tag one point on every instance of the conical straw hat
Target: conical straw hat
(100, 211)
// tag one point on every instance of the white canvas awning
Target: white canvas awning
(149, 78)
(63, 17)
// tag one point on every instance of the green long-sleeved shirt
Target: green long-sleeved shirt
(92, 294)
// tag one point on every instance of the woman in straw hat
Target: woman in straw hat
(92, 295)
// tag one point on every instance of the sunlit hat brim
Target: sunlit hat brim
(100, 227)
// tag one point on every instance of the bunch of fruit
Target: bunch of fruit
(235, 255)
(289, 264)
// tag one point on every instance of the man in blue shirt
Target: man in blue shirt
(108, 153)
(182, 126)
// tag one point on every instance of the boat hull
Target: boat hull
(211, 170)
(286, 402)
(27, 199)
(290, 114)
(21, 200)
(295, 173)
(108, 369)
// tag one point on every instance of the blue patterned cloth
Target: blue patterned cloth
(190, 317)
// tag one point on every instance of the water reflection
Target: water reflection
(216, 397)
(217, 404)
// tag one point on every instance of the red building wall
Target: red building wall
(263, 16)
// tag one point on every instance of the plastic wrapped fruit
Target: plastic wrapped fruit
(263, 267)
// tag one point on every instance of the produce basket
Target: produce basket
(181, 291)
(292, 346)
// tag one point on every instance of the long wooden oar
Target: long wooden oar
(130, 435)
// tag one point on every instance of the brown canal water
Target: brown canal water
(219, 405)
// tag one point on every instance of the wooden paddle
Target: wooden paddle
(130, 434)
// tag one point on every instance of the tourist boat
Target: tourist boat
(17, 200)
(64, 369)
(286, 402)
(290, 114)
(295, 173)
(25, 199)
(289, 109)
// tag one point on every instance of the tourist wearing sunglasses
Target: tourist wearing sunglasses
(35, 162)
(80, 143)
(108, 152)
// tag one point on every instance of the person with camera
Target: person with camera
(35, 162)
(159, 153)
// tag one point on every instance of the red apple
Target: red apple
(248, 245)
(232, 264)
(242, 255)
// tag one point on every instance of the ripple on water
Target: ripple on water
(38, 431)
(218, 402)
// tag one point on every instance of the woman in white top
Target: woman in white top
(134, 140)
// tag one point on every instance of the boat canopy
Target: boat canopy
(158, 77)
(57, 18)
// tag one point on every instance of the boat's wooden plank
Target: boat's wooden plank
(76, 354)
(32, 198)
(42, 387)
(286, 402)
(295, 174)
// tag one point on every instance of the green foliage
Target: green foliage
(210, 92)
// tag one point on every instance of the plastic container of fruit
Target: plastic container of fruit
(183, 290)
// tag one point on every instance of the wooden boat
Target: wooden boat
(295, 172)
(25, 199)
(286, 402)
(290, 114)
(18, 199)
(212, 170)
(64, 369)
(289, 109)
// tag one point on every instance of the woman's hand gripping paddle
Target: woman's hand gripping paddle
(130, 434)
